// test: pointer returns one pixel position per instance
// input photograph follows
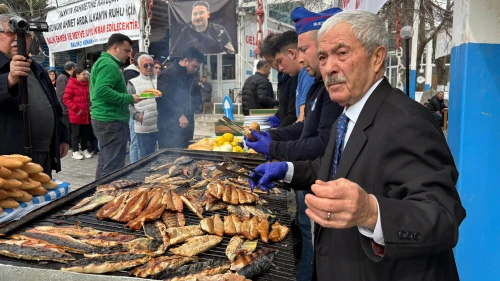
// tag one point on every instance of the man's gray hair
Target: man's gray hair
(69, 65)
(144, 56)
(368, 28)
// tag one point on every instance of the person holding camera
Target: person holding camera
(49, 136)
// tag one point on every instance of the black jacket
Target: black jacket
(213, 40)
(313, 133)
(435, 104)
(398, 153)
(11, 119)
(181, 96)
(287, 88)
(62, 81)
(256, 93)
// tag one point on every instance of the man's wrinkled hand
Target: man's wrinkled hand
(19, 67)
(183, 121)
(137, 98)
(348, 204)
(63, 149)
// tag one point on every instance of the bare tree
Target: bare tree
(28, 9)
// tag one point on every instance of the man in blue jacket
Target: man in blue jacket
(49, 136)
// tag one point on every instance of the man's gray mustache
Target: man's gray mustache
(336, 79)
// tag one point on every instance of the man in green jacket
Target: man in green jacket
(110, 101)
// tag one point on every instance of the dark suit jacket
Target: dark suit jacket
(398, 153)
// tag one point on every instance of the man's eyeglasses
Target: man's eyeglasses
(148, 65)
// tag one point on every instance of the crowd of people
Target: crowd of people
(371, 169)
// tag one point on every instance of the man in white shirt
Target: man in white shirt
(385, 205)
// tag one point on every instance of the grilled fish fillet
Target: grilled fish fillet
(197, 245)
(232, 225)
(157, 231)
(63, 241)
(156, 265)
(193, 205)
(172, 201)
(155, 196)
(263, 229)
(249, 228)
(101, 242)
(146, 215)
(233, 246)
(262, 261)
(146, 246)
(173, 219)
(181, 234)
(194, 270)
(243, 211)
(113, 207)
(33, 250)
(106, 263)
(89, 204)
(222, 277)
(278, 232)
(213, 225)
(132, 208)
(183, 160)
(118, 184)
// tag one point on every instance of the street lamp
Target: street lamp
(406, 33)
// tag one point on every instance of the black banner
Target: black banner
(210, 26)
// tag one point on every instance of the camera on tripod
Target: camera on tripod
(19, 24)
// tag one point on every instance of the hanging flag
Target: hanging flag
(372, 6)
(209, 26)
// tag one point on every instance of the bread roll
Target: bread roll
(50, 185)
(3, 194)
(40, 177)
(248, 130)
(35, 183)
(14, 193)
(18, 174)
(38, 191)
(8, 203)
(10, 163)
(25, 198)
(155, 92)
(19, 157)
(11, 184)
(2, 182)
(32, 168)
(26, 184)
(4, 172)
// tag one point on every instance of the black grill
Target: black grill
(283, 267)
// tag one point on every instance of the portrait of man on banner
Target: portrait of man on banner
(209, 26)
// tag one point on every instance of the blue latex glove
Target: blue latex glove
(261, 144)
(274, 121)
(271, 172)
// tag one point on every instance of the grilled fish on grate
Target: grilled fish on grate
(232, 225)
(181, 234)
(222, 277)
(106, 263)
(113, 207)
(118, 184)
(173, 201)
(255, 263)
(145, 216)
(192, 204)
(233, 247)
(33, 250)
(89, 204)
(133, 207)
(183, 160)
(156, 265)
(86, 233)
(194, 270)
(197, 245)
(278, 232)
(63, 241)
(230, 193)
(213, 225)
(173, 219)
(249, 228)
(244, 211)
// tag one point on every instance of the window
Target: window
(228, 67)
(213, 67)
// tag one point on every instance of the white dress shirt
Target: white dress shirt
(353, 112)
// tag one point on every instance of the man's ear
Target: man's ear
(208, 15)
(292, 53)
(378, 58)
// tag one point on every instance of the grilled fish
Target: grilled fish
(173, 201)
(106, 263)
(278, 232)
(132, 208)
(218, 206)
(263, 229)
(160, 168)
(33, 250)
(118, 184)
(156, 265)
(193, 205)
(63, 241)
(146, 215)
(173, 219)
(244, 184)
(113, 207)
(88, 204)
(197, 245)
(183, 160)
(261, 261)
(120, 249)
(199, 184)
(101, 242)
(86, 233)
(232, 225)
(249, 228)
(213, 225)
(233, 247)
(181, 234)
(222, 277)
(243, 211)
(194, 270)
(230, 193)
(146, 246)
(157, 231)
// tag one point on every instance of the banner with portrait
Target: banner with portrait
(210, 26)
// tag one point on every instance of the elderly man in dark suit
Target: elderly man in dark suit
(385, 205)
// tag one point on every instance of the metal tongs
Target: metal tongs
(229, 126)
(232, 161)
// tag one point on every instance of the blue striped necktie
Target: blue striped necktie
(339, 141)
